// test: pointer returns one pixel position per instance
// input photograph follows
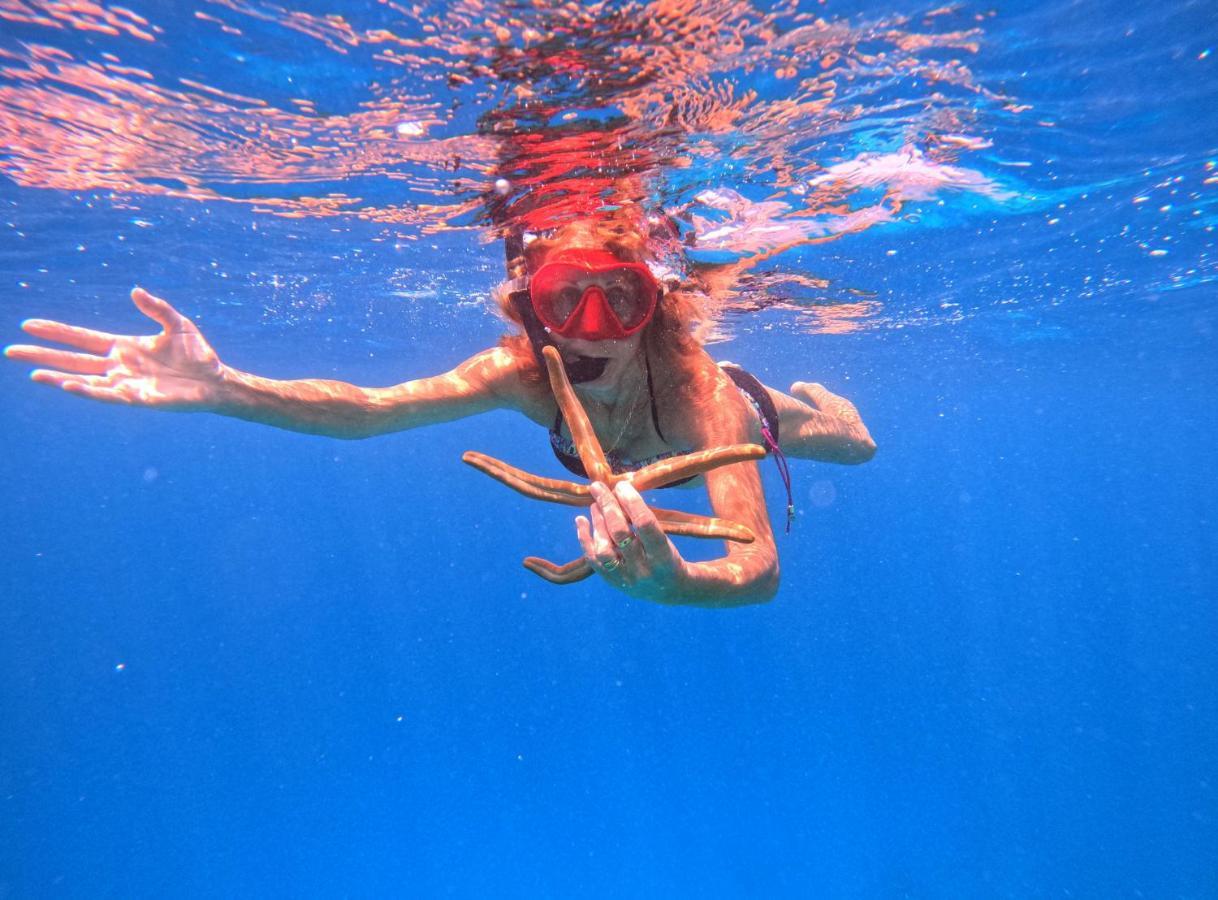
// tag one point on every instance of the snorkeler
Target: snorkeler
(625, 330)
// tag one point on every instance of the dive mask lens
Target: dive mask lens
(593, 295)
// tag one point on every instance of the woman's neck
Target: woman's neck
(616, 392)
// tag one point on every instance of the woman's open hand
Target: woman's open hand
(627, 547)
(176, 369)
(821, 398)
(830, 428)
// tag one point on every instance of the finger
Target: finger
(629, 546)
(617, 526)
(160, 311)
(600, 530)
(809, 392)
(599, 553)
(583, 530)
(846, 411)
(835, 405)
(98, 392)
(83, 363)
(90, 386)
(824, 400)
(86, 339)
(651, 535)
(605, 546)
(52, 377)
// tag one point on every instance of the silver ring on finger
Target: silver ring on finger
(612, 564)
(625, 542)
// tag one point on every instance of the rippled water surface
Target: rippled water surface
(237, 660)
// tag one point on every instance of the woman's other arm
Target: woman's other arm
(817, 424)
(749, 572)
(178, 370)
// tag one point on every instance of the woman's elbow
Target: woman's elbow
(765, 593)
(736, 586)
(763, 590)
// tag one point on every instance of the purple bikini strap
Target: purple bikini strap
(784, 471)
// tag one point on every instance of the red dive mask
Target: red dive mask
(593, 295)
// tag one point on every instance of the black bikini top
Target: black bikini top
(752, 390)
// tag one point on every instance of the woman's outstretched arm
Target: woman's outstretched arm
(178, 370)
(338, 409)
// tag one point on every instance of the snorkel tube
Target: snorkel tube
(518, 296)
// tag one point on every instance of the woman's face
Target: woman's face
(582, 284)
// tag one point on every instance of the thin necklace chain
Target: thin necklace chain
(634, 406)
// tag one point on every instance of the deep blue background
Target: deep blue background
(990, 670)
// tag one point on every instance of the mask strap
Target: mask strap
(522, 303)
(513, 248)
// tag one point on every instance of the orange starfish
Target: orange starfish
(655, 475)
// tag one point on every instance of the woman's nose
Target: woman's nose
(593, 313)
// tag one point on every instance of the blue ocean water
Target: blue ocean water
(240, 661)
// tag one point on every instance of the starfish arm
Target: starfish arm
(590, 452)
(549, 489)
(690, 525)
(576, 570)
(687, 465)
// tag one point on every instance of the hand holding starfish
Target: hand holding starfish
(624, 541)
(614, 497)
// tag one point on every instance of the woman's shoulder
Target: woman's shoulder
(513, 381)
(702, 403)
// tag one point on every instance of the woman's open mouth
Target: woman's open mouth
(582, 369)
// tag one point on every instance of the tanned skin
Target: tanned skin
(178, 370)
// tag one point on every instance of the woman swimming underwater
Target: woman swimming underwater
(625, 330)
